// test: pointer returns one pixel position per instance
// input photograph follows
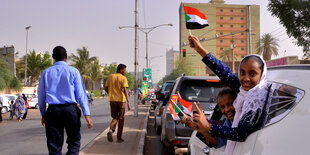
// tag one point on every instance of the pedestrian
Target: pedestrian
(139, 93)
(1, 103)
(12, 109)
(26, 106)
(116, 87)
(103, 93)
(20, 107)
(61, 86)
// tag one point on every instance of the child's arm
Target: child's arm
(217, 66)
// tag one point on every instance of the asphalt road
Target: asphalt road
(28, 137)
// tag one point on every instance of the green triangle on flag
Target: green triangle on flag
(187, 18)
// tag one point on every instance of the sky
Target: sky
(95, 25)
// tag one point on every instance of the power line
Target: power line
(275, 30)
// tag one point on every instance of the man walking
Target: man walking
(61, 86)
(116, 87)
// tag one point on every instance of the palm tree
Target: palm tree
(226, 56)
(267, 46)
(37, 63)
(95, 73)
(82, 61)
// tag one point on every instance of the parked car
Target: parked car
(7, 98)
(287, 117)
(32, 100)
(203, 89)
(159, 106)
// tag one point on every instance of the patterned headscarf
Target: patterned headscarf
(251, 101)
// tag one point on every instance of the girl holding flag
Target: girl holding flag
(250, 103)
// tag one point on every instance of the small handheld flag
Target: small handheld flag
(194, 18)
(188, 106)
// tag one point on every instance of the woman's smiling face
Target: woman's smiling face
(250, 74)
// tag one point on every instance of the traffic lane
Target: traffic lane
(28, 136)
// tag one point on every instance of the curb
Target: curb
(103, 133)
(143, 134)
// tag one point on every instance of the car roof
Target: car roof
(201, 77)
(291, 67)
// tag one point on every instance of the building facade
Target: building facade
(232, 29)
(7, 54)
(171, 57)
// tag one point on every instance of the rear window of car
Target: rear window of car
(168, 87)
(200, 90)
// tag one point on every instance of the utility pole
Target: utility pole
(26, 65)
(232, 46)
(136, 59)
(249, 23)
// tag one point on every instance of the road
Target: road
(28, 137)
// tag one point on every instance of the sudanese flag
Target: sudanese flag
(194, 18)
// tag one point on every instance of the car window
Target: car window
(168, 87)
(11, 98)
(284, 99)
(200, 90)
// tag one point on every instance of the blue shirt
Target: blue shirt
(221, 141)
(62, 84)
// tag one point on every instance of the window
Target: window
(231, 18)
(221, 33)
(282, 101)
(242, 18)
(221, 18)
(231, 10)
(242, 41)
(242, 33)
(242, 25)
(231, 25)
(221, 25)
(242, 11)
(221, 10)
(242, 49)
(221, 41)
(221, 49)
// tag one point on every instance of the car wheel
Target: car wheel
(158, 129)
(37, 106)
(4, 110)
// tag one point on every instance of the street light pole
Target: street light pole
(27, 28)
(136, 59)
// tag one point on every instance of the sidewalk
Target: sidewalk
(134, 133)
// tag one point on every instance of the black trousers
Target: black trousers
(59, 118)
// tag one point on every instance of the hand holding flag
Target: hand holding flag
(200, 118)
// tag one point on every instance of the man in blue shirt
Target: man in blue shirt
(61, 86)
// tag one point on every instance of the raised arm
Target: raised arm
(217, 66)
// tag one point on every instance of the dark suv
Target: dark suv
(193, 89)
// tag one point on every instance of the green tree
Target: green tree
(267, 46)
(95, 73)
(294, 15)
(37, 63)
(226, 56)
(183, 65)
(83, 62)
(7, 78)
(130, 79)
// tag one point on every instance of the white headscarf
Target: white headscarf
(246, 101)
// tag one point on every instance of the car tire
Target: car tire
(4, 109)
(158, 129)
(36, 106)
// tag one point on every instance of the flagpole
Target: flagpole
(180, 109)
(190, 33)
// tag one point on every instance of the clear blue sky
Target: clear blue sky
(94, 24)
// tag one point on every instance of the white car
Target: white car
(32, 100)
(287, 129)
(7, 98)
